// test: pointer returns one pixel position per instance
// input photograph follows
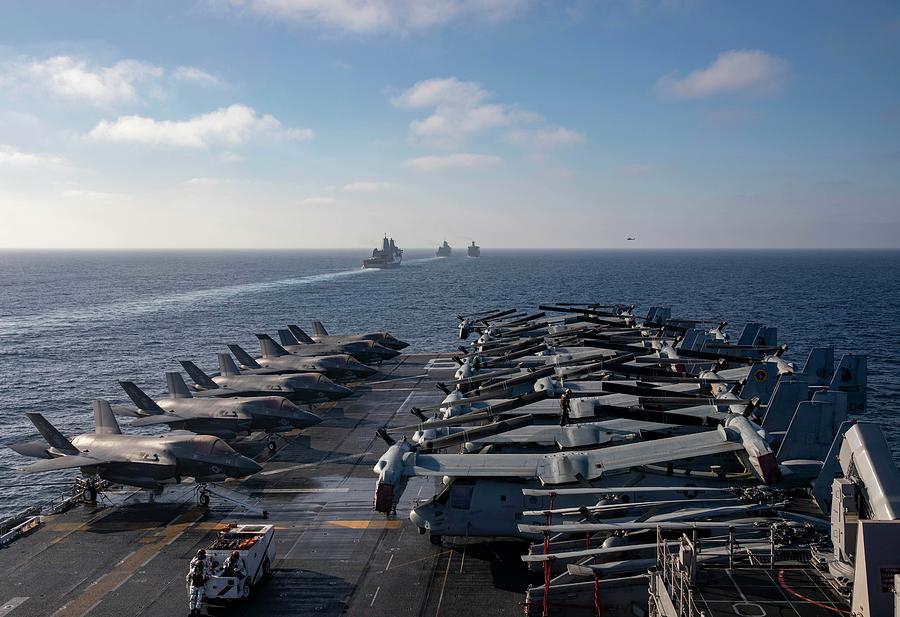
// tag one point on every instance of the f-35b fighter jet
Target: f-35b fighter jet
(135, 460)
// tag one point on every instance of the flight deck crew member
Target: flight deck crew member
(201, 559)
(234, 566)
(564, 407)
(198, 574)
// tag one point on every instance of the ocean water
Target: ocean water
(73, 323)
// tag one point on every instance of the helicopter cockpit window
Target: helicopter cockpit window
(461, 496)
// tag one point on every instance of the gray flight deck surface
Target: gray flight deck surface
(335, 554)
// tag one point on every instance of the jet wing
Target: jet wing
(568, 467)
(62, 462)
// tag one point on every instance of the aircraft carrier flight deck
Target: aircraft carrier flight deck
(594, 463)
(335, 554)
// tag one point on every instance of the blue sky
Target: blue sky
(317, 123)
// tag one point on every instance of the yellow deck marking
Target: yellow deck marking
(122, 571)
(350, 524)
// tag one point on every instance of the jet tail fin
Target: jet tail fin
(200, 378)
(813, 427)
(819, 366)
(269, 348)
(176, 385)
(243, 357)
(790, 392)
(287, 337)
(318, 328)
(227, 366)
(140, 398)
(850, 377)
(50, 434)
(761, 381)
(104, 419)
(302, 336)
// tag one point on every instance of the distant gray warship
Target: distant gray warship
(474, 250)
(389, 256)
(444, 250)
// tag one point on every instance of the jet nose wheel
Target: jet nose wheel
(89, 494)
(271, 445)
(436, 540)
(203, 499)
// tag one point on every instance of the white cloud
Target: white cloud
(381, 15)
(366, 187)
(547, 137)
(748, 71)
(75, 78)
(13, 158)
(459, 110)
(318, 200)
(231, 157)
(202, 181)
(195, 75)
(454, 161)
(231, 125)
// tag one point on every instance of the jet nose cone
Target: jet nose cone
(245, 466)
(358, 368)
(387, 354)
(339, 391)
(394, 343)
(332, 390)
(305, 419)
(364, 370)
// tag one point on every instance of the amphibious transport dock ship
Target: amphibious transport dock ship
(388, 256)
(610, 465)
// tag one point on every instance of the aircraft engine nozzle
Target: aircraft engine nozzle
(545, 384)
(464, 329)
(391, 481)
(384, 498)
(759, 456)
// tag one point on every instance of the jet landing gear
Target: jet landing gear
(436, 540)
(272, 442)
(204, 490)
(88, 489)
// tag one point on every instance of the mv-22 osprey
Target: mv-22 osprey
(485, 497)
